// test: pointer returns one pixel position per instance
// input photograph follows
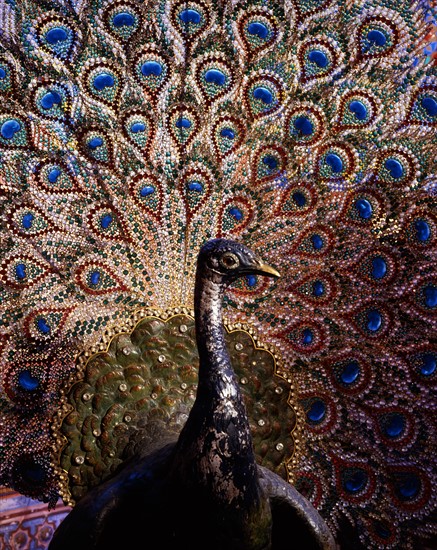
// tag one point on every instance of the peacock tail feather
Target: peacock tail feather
(130, 133)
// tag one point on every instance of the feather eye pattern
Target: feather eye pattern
(131, 133)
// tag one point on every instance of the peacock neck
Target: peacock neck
(216, 439)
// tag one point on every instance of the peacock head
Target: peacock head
(224, 261)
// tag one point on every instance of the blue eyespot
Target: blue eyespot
(379, 267)
(50, 99)
(304, 125)
(377, 37)
(55, 35)
(358, 109)
(20, 271)
(408, 486)
(263, 94)
(43, 326)
(317, 411)
(394, 425)
(318, 288)
(430, 292)
(190, 16)
(429, 364)
(147, 190)
(423, 231)
(95, 278)
(227, 133)
(430, 106)
(270, 161)
(364, 208)
(317, 241)
(27, 220)
(394, 167)
(10, 128)
(183, 123)
(251, 280)
(350, 372)
(354, 480)
(95, 142)
(335, 162)
(2, 73)
(106, 221)
(27, 381)
(123, 19)
(138, 127)
(299, 198)
(103, 80)
(319, 58)
(53, 175)
(307, 336)
(236, 213)
(214, 76)
(374, 320)
(151, 68)
(258, 29)
(195, 186)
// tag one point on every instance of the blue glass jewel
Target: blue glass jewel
(270, 161)
(49, 99)
(263, 94)
(358, 109)
(430, 106)
(20, 271)
(307, 336)
(95, 278)
(408, 486)
(53, 175)
(227, 133)
(214, 76)
(183, 123)
(27, 381)
(317, 241)
(2, 73)
(377, 37)
(258, 29)
(251, 280)
(354, 480)
(190, 16)
(123, 19)
(429, 364)
(381, 530)
(106, 221)
(317, 411)
(195, 186)
(364, 208)
(393, 425)
(318, 288)
(423, 231)
(43, 326)
(138, 127)
(304, 125)
(379, 267)
(350, 372)
(374, 320)
(27, 220)
(10, 128)
(430, 292)
(319, 58)
(95, 142)
(151, 68)
(147, 190)
(299, 198)
(394, 167)
(236, 213)
(335, 162)
(103, 80)
(55, 35)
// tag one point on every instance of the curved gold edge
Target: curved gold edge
(82, 359)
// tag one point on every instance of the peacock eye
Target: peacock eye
(230, 261)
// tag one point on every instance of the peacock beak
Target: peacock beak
(267, 270)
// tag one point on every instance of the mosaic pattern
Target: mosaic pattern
(131, 132)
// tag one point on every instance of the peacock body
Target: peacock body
(130, 134)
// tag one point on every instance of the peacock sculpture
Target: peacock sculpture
(141, 139)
